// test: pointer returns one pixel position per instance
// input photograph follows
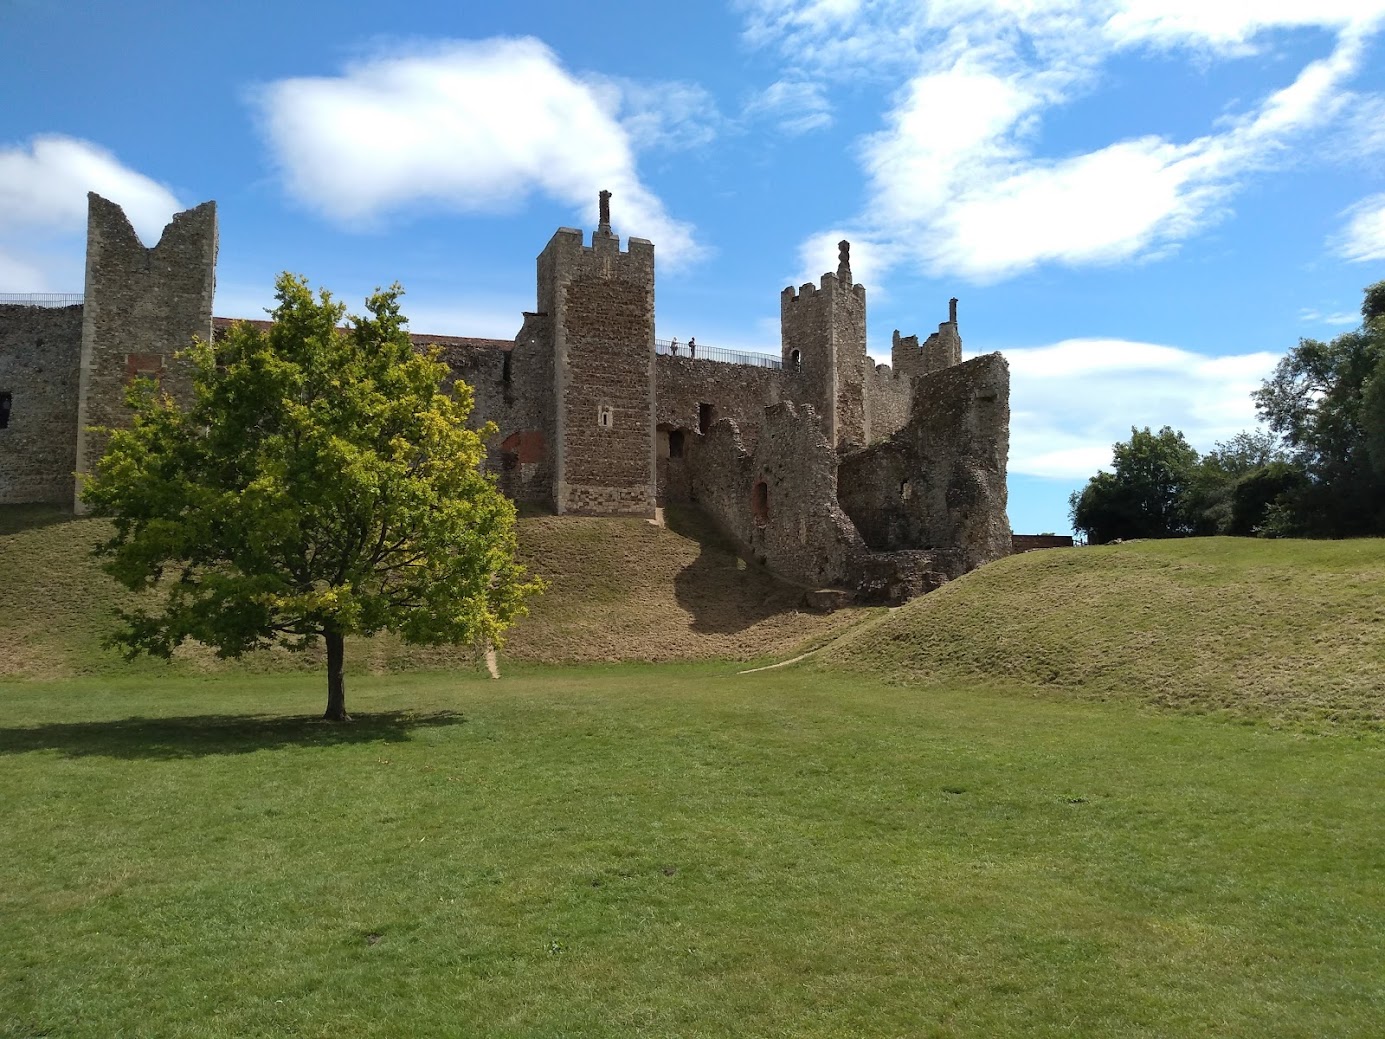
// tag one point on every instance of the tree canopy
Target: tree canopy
(320, 483)
(1142, 497)
(1327, 401)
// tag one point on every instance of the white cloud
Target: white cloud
(464, 126)
(1080, 396)
(1364, 236)
(957, 179)
(43, 209)
(793, 106)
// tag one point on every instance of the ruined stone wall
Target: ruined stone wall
(735, 391)
(779, 502)
(796, 527)
(887, 403)
(939, 483)
(40, 353)
(142, 307)
(601, 302)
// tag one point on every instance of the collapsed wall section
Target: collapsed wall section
(142, 307)
(779, 501)
(40, 352)
(939, 483)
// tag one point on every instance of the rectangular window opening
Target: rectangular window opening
(704, 417)
(6, 402)
(605, 416)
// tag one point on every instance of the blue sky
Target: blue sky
(1143, 203)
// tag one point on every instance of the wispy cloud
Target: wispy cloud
(1337, 319)
(43, 208)
(1364, 236)
(467, 127)
(958, 181)
(792, 106)
(1072, 400)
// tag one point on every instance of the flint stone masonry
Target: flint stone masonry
(876, 482)
(139, 301)
(823, 344)
(39, 351)
(601, 303)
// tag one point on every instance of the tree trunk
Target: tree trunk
(336, 680)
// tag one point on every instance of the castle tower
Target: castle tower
(940, 350)
(142, 307)
(599, 303)
(823, 333)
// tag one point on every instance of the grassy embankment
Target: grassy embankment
(1278, 631)
(618, 590)
(929, 828)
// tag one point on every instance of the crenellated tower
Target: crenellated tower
(599, 303)
(142, 307)
(940, 350)
(823, 334)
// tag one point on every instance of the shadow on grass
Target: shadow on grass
(197, 736)
(723, 594)
(15, 519)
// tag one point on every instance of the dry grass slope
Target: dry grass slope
(619, 590)
(1282, 630)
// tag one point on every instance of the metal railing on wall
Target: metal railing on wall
(718, 353)
(42, 299)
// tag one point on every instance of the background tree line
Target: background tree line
(1317, 471)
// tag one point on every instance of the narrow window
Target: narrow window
(906, 490)
(795, 361)
(605, 416)
(505, 368)
(675, 443)
(6, 400)
(759, 503)
(704, 417)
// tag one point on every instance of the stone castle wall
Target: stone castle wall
(888, 397)
(142, 307)
(738, 392)
(833, 471)
(39, 352)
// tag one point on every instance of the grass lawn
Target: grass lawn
(675, 850)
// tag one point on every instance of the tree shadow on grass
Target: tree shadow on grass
(197, 736)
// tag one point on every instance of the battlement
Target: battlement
(829, 283)
(603, 243)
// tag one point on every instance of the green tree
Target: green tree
(1211, 502)
(1327, 400)
(1144, 496)
(319, 484)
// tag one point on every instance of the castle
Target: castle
(833, 472)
